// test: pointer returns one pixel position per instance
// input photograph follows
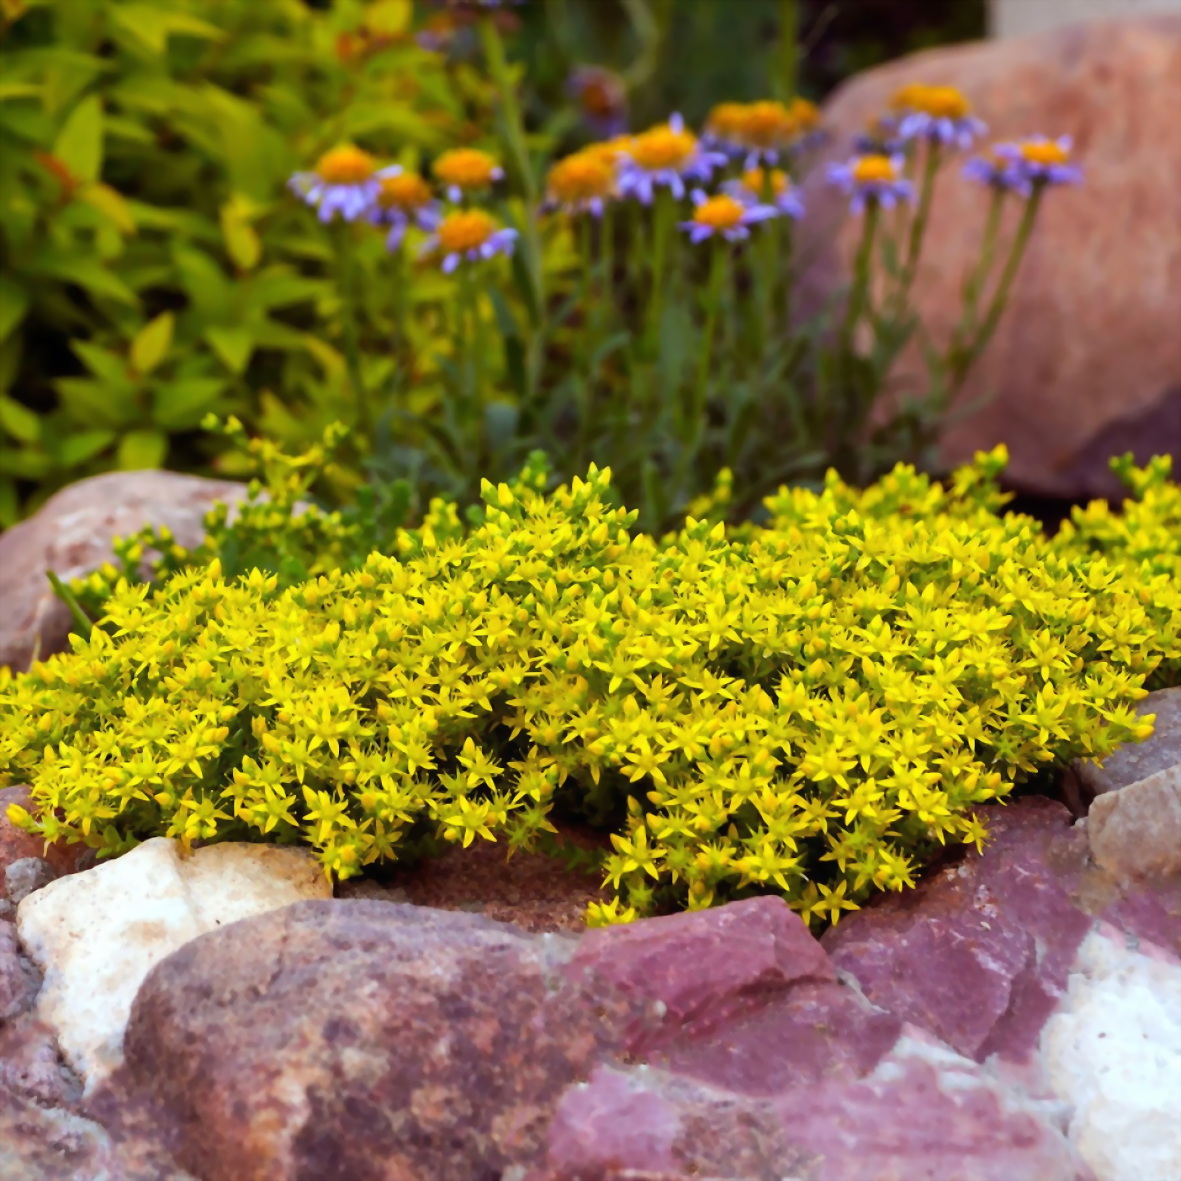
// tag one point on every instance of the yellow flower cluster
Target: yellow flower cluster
(807, 707)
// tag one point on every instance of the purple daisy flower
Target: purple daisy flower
(751, 189)
(404, 200)
(345, 181)
(940, 114)
(872, 178)
(665, 156)
(724, 215)
(468, 235)
(1039, 161)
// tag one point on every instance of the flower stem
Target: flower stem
(662, 228)
(1000, 297)
(860, 290)
(717, 274)
(346, 279)
(918, 227)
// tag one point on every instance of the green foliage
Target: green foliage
(153, 267)
(808, 707)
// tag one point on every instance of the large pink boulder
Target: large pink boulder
(71, 535)
(1086, 362)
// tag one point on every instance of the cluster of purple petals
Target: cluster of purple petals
(642, 183)
(960, 133)
(501, 242)
(887, 193)
(350, 201)
(789, 203)
(752, 214)
(1012, 172)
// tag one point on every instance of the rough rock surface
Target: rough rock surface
(96, 935)
(1135, 832)
(374, 1040)
(1034, 961)
(1113, 1051)
(71, 535)
(1138, 760)
(1086, 362)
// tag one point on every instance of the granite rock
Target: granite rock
(1086, 361)
(1135, 832)
(1113, 1051)
(96, 934)
(71, 534)
(19, 979)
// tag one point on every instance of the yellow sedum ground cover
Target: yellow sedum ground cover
(808, 706)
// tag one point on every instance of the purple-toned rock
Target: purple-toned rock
(19, 979)
(700, 969)
(980, 953)
(357, 1039)
(71, 535)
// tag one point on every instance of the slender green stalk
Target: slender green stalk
(788, 50)
(516, 149)
(81, 620)
(983, 268)
(713, 302)
(346, 280)
(1001, 295)
(859, 294)
(918, 227)
(661, 231)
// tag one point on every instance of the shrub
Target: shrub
(809, 707)
(152, 266)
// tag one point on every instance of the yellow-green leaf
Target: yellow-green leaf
(142, 449)
(79, 144)
(14, 302)
(152, 342)
(242, 241)
(19, 421)
(110, 203)
(387, 18)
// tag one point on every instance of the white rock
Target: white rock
(1135, 833)
(97, 934)
(1113, 1050)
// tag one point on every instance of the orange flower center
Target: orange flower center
(581, 177)
(943, 102)
(805, 114)
(466, 168)
(465, 230)
(755, 179)
(1044, 153)
(406, 192)
(874, 168)
(609, 150)
(345, 165)
(719, 213)
(765, 124)
(726, 119)
(662, 147)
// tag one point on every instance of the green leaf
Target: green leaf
(110, 204)
(152, 342)
(79, 144)
(19, 421)
(233, 345)
(77, 448)
(142, 449)
(241, 238)
(152, 25)
(88, 273)
(180, 405)
(24, 465)
(14, 302)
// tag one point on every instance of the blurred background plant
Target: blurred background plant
(153, 269)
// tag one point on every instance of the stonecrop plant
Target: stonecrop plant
(808, 707)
